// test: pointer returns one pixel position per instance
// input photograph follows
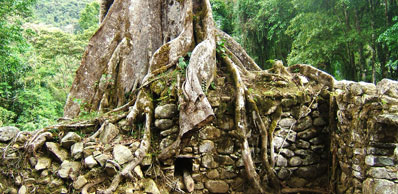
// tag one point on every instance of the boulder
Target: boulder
(217, 186)
(43, 163)
(77, 150)
(150, 186)
(69, 139)
(109, 133)
(206, 146)
(69, 169)
(8, 133)
(122, 154)
(163, 124)
(60, 153)
(80, 182)
(167, 111)
(90, 162)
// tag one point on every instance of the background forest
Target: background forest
(42, 41)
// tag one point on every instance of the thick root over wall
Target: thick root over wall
(116, 91)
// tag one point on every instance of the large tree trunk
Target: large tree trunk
(141, 41)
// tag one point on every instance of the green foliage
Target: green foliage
(60, 13)
(89, 16)
(390, 38)
(223, 14)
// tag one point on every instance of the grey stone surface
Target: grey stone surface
(307, 134)
(167, 111)
(163, 124)
(22, 190)
(278, 141)
(121, 154)
(90, 162)
(208, 161)
(60, 153)
(287, 153)
(303, 124)
(291, 135)
(77, 150)
(379, 186)
(79, 182)
(109, 133)
(287, 123)
(210, 133)
(43, 163)
(217, 186)
(69, 139)
(69, 169)
(170, 131)
(280, 161)
(150, 186)
(303, 144)
(213, 174)
(383, 173)
(371, 160)
(206, 146)
(8, 133)
(101, 159)
(295, 161)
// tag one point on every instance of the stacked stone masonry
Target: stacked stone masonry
(335, 136)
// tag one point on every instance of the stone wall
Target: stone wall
(327, 135)
(366, 138)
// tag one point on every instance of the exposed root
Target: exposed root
(143, 104)
(89, 185)
(241, 125)
(300, 190)
(239, 52)
(38, 142)
(258, 121)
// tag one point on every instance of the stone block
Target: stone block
(167, 111)
(217, 186)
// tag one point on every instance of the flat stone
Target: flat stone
(389, 119)
(90, 162)
(307, 134)
(150, 186)
(206, 146)
(110, 169)
(387, 87)
(303, 144)
(301, 152)
(225, 160)
(371, 160)
(43, 163)
(69, 139)
(280, 161)
(227, 174)
(382, 173)
(286, 152)
(168, 132)
(8, 133)
(291, 136)
(77, 150)
(380, 151)
(379, 186)
(210, 133)
(79, 182)
(122, 154)
(358, 174)
(60, 153)
(208, 161)
(102, 158)
(109, 133)
(166, 142)
(287, 123)
(213, 174)
(316, 141)
(311, 159)
(69, 169)
(137, 170)
(304, 123)
(278, 141)
(167, 111)
(163, 124)
(295, 161)
(217, 186)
